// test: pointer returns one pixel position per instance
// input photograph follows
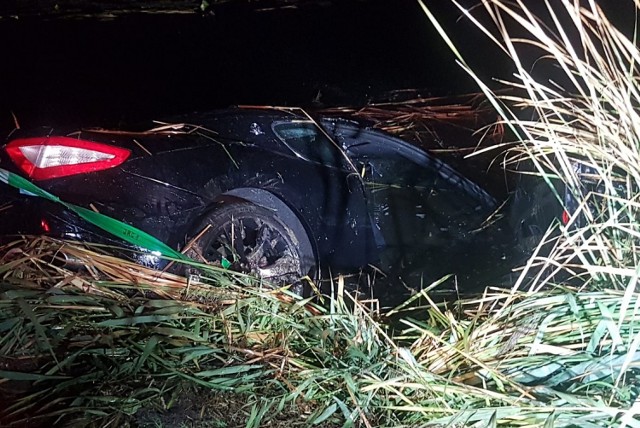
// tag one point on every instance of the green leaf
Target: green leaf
(346, 412)
(8, 324)
(326, 414)
(612, 327)
(194, 354)
(148, 349)
(231, 370)
(43, 339)
(551, 419)
(21, 293)
(252, 420)
(178, 334)
(11, 375)
(67, 299)
(132, 321)
(493, 421)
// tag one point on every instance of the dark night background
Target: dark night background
(89, 71)
(142, 66)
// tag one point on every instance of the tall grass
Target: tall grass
(114, 342)
(120, 340)
(119, 344)
(586, 130)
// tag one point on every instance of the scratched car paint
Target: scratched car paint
(268, 191)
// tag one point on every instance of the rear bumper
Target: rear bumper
(29, 215)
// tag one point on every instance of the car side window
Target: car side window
(308, 142)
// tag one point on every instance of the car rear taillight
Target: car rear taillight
(42, 158)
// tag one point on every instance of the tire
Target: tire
(248, 238)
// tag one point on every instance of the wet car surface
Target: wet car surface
(274, 192)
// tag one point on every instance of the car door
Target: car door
(418, 202)
(335, 194)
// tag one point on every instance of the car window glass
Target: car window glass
(308, 142)
(390, 171)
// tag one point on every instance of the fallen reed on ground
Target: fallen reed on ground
(117, 344)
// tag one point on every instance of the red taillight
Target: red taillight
(42, 158)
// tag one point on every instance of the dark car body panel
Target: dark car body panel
(186, 167)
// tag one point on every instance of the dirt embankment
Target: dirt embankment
(78, 9)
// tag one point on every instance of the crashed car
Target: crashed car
(272, 192)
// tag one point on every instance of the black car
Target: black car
(269, 191)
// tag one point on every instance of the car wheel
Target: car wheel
(252, 239)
